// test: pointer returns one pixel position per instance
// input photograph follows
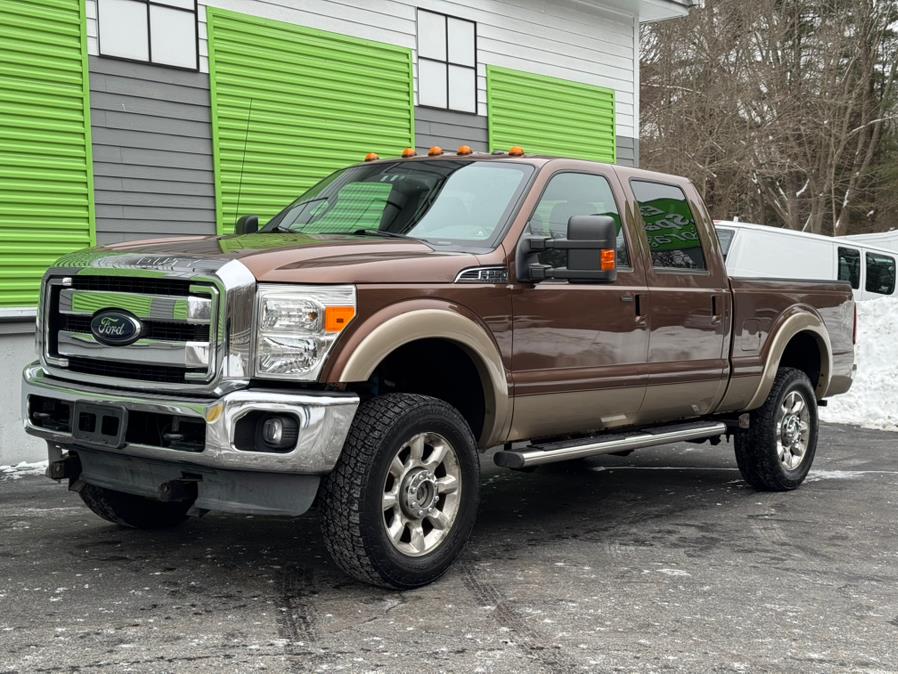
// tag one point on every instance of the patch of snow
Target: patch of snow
(817, 475)
(22, 469)
(872, 401)
(674, 572)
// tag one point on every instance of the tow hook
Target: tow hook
(67, 467)
(181, 490)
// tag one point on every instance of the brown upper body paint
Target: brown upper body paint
(657, 345)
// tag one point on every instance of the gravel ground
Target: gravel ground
(661, 561)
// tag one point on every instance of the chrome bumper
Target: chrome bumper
(324, 420)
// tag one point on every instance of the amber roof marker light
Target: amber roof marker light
(464, 150)
(516, 151)
(435, 151)
(372, 156)
(409, 152)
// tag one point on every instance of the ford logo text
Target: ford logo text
(115, 328)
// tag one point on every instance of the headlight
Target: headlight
(297, 326)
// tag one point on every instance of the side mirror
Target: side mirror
(247, 224)
(591, 246)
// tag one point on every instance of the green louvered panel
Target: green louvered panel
(302, 103)
(550, 116)
(46, 184)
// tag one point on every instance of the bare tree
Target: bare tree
(775, 108)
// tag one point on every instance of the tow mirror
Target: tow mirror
(591, 246)
(247, 224)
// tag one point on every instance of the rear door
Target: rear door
(689, 306)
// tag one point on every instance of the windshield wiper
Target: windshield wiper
(382, 232)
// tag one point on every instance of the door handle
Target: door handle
(636, 300)
(715, 314)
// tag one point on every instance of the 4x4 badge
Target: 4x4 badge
(115, 328)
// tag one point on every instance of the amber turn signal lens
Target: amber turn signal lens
(465, 149)
(516, 151)
(337, 318)
(435, 151)
(409, 152)
(371, 156)
(609, 260)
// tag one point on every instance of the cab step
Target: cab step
(565, 450)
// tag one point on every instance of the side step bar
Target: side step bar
(536, 455)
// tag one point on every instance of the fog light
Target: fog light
(261, 431)
(278, 431)
(273, 430)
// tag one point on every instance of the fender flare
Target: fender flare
(409, 322)
(803, 321)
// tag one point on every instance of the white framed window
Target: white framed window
(163, 32)
(447, 62)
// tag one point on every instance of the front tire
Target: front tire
(130, 510)
(401, 502)
(777, 450)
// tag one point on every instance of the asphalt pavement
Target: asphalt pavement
(660, 561)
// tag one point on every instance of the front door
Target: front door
(578, 347)
(688, 306)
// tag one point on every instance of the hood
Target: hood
(302, 258)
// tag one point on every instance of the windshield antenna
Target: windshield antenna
(249, 116)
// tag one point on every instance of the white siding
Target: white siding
(562, 39)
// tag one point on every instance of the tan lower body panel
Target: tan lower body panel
(538, 416)
(740, 390)
(683, 400)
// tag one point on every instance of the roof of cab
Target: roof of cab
(535, 160)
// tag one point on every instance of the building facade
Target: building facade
(126, 119)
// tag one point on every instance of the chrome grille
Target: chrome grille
(179, 320)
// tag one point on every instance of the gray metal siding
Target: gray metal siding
(449, 130)
(627, 151)
(152, 151)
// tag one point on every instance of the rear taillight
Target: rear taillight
(854, 326)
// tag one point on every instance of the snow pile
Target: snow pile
(22, 469)
(872, 401)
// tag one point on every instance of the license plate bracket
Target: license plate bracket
(102, 425)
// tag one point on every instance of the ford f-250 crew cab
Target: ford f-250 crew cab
(398, 319)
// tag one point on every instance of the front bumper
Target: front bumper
(324, 420)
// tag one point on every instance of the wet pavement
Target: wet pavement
(660, 561)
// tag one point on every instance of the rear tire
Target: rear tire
(401, 502)
(130, 510)
(777, 450)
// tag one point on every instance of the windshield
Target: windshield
(443, 202)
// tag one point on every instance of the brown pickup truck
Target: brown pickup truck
(403, 316)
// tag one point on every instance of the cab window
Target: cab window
(880, 274)
(670, 226)
(570, 194)
(850, 266)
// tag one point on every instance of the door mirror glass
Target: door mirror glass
(247, 224)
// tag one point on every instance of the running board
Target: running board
(536, 455)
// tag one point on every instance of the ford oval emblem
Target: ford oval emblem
(115, 327)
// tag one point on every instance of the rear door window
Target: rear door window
(850, 266)
(670, 226)
(880, 274)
